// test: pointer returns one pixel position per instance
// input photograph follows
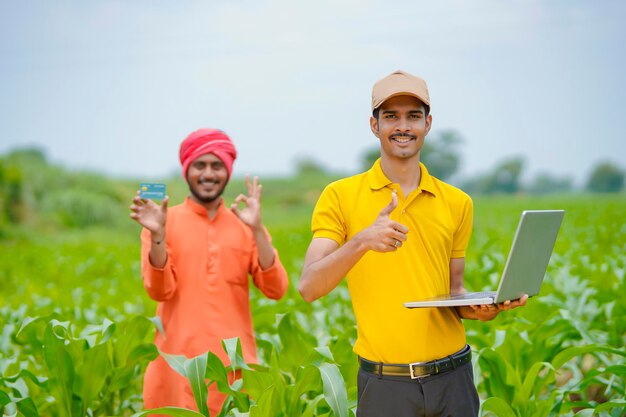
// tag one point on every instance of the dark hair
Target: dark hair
(376, 111)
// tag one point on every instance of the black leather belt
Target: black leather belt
(419, 369)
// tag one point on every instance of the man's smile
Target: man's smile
(402, 138)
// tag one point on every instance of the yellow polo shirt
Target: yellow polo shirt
(439, 219)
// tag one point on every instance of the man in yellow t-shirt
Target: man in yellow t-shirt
(397, 233)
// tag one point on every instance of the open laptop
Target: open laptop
(524, 269)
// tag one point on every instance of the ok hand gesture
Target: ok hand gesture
(251, 213)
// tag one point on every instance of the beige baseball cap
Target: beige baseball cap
(399, 83)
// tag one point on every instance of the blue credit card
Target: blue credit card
(152, 191)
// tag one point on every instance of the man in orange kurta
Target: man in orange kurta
(196, 258)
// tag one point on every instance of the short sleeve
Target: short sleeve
(328, 220)
(464, 231)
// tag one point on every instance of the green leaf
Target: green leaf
(27, 407)
(170, 411)
(529, 381)
(268, 405)
(195, 368)
(108, 329)
(129, 334)
(311, 406)
(334, 389)
(129, 350)
(594, 375)
(494, 365)
(232, 347)
(353, 393)
(616, 370)
(25, 324)
(91, 374)
(176, 362)
(345, 357)
(564, 356)
(121, 378)
(156, 320)
(26, 374)
(295, 342)
(315, 356)
(279, 382)
(4, 398)
(255, 411)
(307, 379)
(512, 378)
(325, 352)
(609, 405)
(256, 382)
(60, 369)
(236, 413)
(498, 406)
(142, 353)
(216, 371)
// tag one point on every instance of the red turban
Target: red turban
(205, 141)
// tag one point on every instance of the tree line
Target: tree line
(36, 192)
(442, 156)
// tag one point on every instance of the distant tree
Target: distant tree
(17, 165)
(369, 156)
(606, 178)
(13, 194)
(2, 195)
(27, 156)
(308, 166)
(507, 175)
(440, 154)
(545, 183)
(34, 173)
(504, 179)
(32, 190)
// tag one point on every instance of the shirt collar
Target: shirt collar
(377, 178)
(200, 209)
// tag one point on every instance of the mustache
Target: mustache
(402, 135)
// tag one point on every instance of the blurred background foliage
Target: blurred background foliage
(39, 193)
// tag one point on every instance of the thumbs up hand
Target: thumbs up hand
(389, 208)
(384, 235)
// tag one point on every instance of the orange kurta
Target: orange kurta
(203, 295)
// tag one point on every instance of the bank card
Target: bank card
(152, 191)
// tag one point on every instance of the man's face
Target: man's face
(207, 177)
(401, 126)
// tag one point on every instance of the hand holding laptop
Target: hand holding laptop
(486, 312)
(523, 272)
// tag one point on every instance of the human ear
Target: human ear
(429, 121)
(374, 126)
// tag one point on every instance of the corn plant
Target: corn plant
(66, 373)
(300, 379)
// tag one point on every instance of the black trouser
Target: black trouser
(450, 393)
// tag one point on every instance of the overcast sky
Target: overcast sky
(114, 86)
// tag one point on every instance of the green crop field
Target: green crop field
(77, 326)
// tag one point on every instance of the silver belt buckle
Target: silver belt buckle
(412, 372)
